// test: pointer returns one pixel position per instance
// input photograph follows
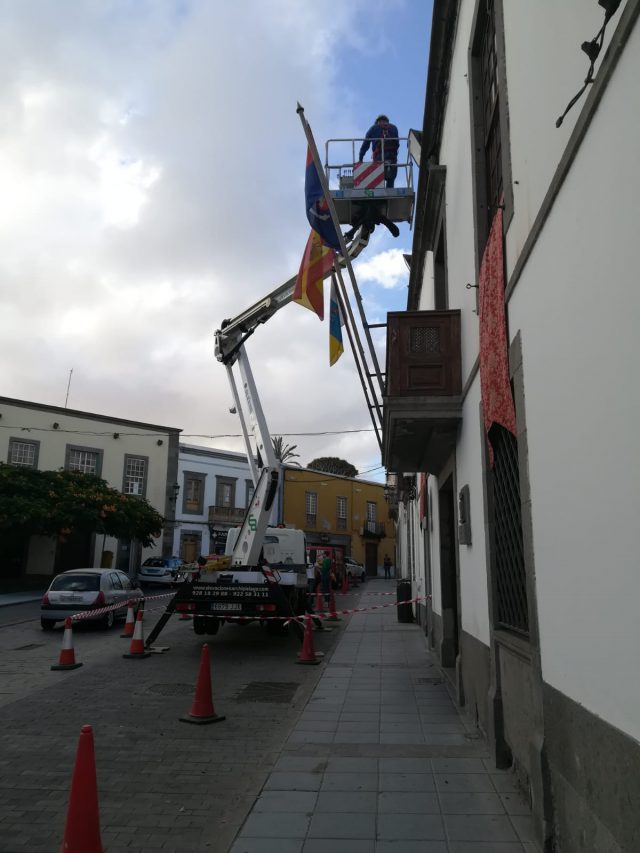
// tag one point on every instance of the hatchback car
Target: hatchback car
(354, 569)
(160, 570)
(82, 590)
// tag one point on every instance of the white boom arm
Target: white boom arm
(230, 350)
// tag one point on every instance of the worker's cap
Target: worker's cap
(382, 118)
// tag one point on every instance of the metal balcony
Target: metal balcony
(373, 530)
(422, 406)
(226, 515)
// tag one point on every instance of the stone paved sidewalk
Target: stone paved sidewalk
(380, 760)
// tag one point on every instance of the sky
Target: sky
(152, 165)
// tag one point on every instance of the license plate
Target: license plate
(225, 605)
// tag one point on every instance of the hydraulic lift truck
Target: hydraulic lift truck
(248, 589)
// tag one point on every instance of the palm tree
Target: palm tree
(284, 452)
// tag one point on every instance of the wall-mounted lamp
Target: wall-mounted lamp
(116, 435)
(56, 425)
(159, 442)
(174, 492)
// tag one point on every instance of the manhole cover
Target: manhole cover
(268, 691)
(432, 680)
(29, 646)
(171, 689)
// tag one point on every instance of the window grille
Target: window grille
(311, 508)
(83, 460)
(134, 474)
(512, 610)
(341, 513)
(22, 453)
(372, 511)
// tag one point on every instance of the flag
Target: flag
(335, 326)
(318, 212)
(316, 264)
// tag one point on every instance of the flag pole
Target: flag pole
(341, 297)
(343, 246)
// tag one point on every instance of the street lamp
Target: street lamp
(173, 494)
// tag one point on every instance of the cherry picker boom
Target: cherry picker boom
(264, 573)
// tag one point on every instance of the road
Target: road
(162, 784)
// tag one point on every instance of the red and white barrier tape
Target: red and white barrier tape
(110, 608)
(324, 615)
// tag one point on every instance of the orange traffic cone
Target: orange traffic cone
(202, 710)
(67, 658)
(82, 827)
(319, 605)
(333, 616)
(137, 649)
(130, 624)
(307, 653)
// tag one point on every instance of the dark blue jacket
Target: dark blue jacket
(388, 132)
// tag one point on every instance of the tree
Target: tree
(284, 452)
(333, 465)
(55, 503)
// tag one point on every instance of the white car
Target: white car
(354, 569)
(82, 590)
(160, 570)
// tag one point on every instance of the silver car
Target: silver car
(354, 569)
(83, 590)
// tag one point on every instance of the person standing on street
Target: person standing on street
(383, 138)
(387, 566)
(325, 576)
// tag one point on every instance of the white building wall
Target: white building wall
(433, 511)
(578, 304)
(545, 68)
(474, 594)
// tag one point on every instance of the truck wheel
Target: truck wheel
(199, 625)
(212, 625)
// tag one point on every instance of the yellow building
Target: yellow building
(345, 515)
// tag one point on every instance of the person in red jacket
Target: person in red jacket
(383, 138)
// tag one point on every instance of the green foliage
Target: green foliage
(54, 503)
(284, 452)
(333, 465)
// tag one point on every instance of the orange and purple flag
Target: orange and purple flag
(316, 265)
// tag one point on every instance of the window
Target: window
(512, 607)
(23, 452)
(226, 492)
(190, 544)
(490, 132)
(115, 580)
(311, 508)
(341, 513)
(135, 475)
(193, 493)
(249, 491)
(87, 460)
(372, 511)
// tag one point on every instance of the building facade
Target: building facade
(512, 399)
(214, 490)
(347, 515)
(135, 458)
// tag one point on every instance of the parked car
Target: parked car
(160, 570)
(81, 590)
(354, 569)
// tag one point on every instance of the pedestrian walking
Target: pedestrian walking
(387, 566)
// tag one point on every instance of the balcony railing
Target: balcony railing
(226, 515)
(373, 530)
(422, 403)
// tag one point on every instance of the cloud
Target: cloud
(152, 172)
(386, 269)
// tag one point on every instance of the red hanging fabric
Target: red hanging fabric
(495, 388)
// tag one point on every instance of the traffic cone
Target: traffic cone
(82, 827)
(319, 605)
(333, 616)
(130, 624)
(345, 582)
(202, 710)
(67, 658)
(137, 649)
(307, 653)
